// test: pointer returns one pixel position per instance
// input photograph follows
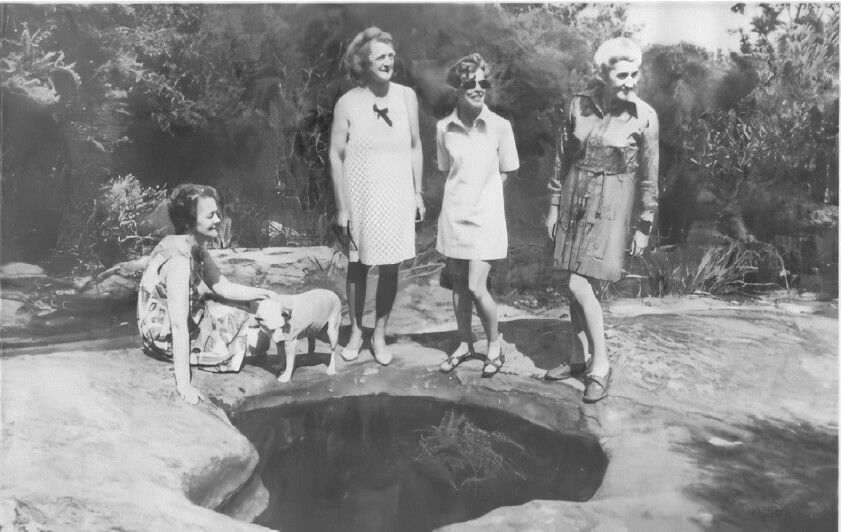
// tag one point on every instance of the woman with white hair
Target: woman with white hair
(377, 169)
(606, 169)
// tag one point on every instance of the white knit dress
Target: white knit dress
(378, 175)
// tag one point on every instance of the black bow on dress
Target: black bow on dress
(383, 113)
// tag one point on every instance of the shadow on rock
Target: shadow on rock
(445, 341)
(784, 477)
(546, 342)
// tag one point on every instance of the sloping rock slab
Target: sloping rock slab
(100, 440)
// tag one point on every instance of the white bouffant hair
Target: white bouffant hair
(614, 50)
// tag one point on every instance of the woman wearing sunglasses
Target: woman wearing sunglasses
(609, 148)
(476, 150)
(377, 167)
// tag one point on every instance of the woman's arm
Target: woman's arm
(508, 176)
(338, 143)
(649, 172)
(177, 280)
(240, 292)
(417, 150)
(565, 150)
(649, 183)
(221, 286)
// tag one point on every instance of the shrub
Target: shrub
(115, 226)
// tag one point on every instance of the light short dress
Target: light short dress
(472, 224)
(378, 175)
(218, 332)
(606, 170)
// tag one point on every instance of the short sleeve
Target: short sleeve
(508, 158)
(443, 156)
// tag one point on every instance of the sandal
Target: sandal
(453, 362)
(495, 363)
(565, 371)
(597, 387)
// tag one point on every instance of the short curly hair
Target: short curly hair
(465, 68)
(183, 205)
(356, 57)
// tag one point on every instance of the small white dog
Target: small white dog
(305, 314)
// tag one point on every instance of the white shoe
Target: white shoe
(349, 353)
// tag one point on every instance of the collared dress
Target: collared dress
(378, 175)
(472, 224)
(606, 169)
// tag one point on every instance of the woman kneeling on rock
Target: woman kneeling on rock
(176, 319)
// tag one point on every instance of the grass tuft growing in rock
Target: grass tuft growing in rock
(462, 454)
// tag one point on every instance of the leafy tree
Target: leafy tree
(754, 133)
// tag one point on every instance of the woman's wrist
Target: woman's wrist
(643, 226)
(266, 293)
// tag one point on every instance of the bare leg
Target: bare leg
(477, 279)
(357, 278)
(386, 293)
(593, 320)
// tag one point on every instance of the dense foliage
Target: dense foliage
(241, 97)
(783, 135)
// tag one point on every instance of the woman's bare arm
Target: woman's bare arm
(177, 279)
(338, 143)
(221, 286)
(417, 150)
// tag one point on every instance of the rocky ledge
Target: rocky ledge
(709, 407)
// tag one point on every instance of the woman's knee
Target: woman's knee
(477, 279)
(580, 287)
(478, 288)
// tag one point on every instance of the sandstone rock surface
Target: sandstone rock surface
(94, 438)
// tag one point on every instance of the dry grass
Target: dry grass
(733, 266)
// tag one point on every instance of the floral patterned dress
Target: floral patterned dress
(218, 332)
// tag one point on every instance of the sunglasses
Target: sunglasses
(471, 84)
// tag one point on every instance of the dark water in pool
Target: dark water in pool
(352, 464)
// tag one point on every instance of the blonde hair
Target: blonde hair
(356, 57)
(614, 50)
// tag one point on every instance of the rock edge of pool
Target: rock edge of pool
(95, 439)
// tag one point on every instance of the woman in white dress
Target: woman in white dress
(377, 169)
(476, 149)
